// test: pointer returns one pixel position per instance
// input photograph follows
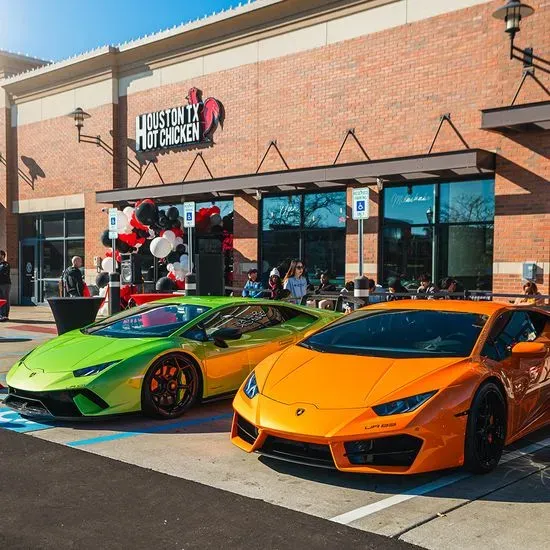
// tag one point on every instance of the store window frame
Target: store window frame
(302, 228)
(436, 223)
(38, 241)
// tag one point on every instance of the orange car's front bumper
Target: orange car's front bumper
(430, 439)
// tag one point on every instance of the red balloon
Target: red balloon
(130, 238)
(178, 232)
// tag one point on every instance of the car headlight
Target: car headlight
(251, 387)
(404, 405)
(90, 371)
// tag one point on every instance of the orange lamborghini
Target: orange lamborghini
(401, 388)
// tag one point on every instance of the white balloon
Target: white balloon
(178, 241)
(160, 247)
(128, 212)
(170, 267)
(121, 222)
(107, 264)
(176, 266)
(127, 229)
(151, 233)
(170, 235)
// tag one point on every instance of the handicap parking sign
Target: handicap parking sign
(189, 214)
(360, 200)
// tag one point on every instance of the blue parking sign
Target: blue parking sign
(189, 216)
(360, 206)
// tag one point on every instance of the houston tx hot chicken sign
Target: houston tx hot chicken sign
(189, 124)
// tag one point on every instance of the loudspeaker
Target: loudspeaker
(130, 269)
(210, 274)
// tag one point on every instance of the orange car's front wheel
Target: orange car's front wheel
(486, 430)
(170, 387)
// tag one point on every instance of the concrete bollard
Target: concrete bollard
(361, 291)
(114, 293)
(190, 285)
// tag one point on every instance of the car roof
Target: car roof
(465, 306)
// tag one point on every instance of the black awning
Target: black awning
(433, 167)
(531, 117)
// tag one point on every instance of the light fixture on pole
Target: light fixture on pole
(429, 215)
(79, 115)
(380, 184)
(512, 13)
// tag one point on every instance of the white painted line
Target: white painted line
(375, 507)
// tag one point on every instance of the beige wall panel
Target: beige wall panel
(139, 82)
(422, 9)
(182, 71)
(228, 59)
(49, 204)
(26, 113)
(57, 105)
(94, 95)
(293, 42)
(366, 22)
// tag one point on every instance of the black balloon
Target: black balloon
(216, 229)
(102, 279)
(172, 213)
(176, 224)
(105, 240)
(164, 222)
(164, 284)
(228, 223)
(180, 249)
(147, 213)
(123, 247)
(173, 257)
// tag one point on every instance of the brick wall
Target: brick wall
(390, 86)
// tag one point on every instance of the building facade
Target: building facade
(410, 99)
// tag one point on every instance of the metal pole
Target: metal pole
(360, 245)
(190, 248)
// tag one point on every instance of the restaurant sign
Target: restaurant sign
(190, 124)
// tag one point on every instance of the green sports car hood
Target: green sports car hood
(75, 350)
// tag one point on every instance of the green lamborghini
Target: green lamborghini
(160, 358)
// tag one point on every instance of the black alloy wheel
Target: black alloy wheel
(170, 387)
(486, 430)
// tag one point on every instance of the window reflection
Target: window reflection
(471, 201)
(325, 210)
(412, 205)
(281, 212)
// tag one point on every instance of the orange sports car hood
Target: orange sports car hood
(331, 381)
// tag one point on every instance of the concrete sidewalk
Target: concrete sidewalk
(28, 327)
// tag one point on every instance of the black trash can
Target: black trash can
(72, 313)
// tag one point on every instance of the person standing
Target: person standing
(275, 285)
(253, 287)
(73, 283)
(5, 286)
(294, 280)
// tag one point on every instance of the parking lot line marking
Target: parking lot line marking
(369, 509)
(150, 430)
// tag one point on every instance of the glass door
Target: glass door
(28, 270)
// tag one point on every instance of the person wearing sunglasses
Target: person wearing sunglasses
(295, 281)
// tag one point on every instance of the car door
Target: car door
(523, 376)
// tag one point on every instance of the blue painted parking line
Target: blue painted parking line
(150, 430)
(13, 421)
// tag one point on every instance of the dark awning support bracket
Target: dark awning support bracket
(193, 164)
(529, 71)
(143, 173)
(272, 143)
(442, 119)
(350, 132)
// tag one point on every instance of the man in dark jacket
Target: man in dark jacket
(73, 284)
(5, 286)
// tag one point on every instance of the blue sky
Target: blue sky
(57, 29)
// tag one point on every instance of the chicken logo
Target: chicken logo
(211, 113)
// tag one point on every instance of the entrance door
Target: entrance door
(29, 286)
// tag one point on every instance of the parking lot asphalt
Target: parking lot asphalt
(504, 510)
(57, 497)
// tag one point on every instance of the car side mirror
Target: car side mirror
(529, 349)
(222, 334)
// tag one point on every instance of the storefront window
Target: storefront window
(281, 212)
(48, 242)
(52, 226)
(309, 226)
(441, 229)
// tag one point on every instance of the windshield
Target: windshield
(400, 334)
(160, 321)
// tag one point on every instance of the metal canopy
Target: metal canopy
(532, 117)
(436, 166)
